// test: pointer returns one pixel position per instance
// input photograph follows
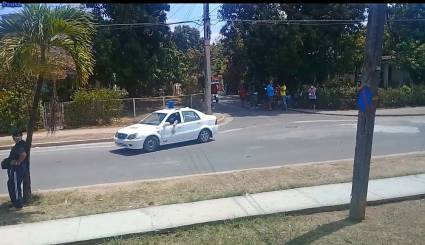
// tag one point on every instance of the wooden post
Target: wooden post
(366, 120)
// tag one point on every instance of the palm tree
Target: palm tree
(30, 42)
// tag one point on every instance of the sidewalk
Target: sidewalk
(395, 112)
(74, 136)
(317, 198)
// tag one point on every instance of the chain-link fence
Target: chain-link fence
(116, 112)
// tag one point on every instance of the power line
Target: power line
(214, 9)
(296, 22)
(407, 20)
(147, 24)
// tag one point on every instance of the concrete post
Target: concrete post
(134, 109)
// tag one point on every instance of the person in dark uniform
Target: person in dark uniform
(18, 165)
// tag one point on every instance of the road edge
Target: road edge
(220, 120)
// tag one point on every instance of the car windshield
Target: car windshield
(153, 119)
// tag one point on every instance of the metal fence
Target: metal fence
(124, 111)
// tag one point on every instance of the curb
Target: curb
(348, 115)
(61, 143)
(301, 211)
(220, 119)
(307, 211)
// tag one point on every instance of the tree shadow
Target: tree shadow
(12, 216)
(231, 105)
(320, 232)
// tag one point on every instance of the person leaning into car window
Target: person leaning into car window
(18, 158)
(174, 119)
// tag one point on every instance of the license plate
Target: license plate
(120, 144)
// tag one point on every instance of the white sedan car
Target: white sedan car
(167, 126)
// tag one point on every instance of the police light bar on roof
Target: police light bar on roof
(11, 5)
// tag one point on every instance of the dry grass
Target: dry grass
(395, 223)
(85, 201)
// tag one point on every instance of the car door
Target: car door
(173, 132)
(191, 125)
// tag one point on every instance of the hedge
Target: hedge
(15, 104)
(93, 107)
(344, 97)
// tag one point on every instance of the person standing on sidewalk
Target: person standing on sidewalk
(283, 93)
(278, 96)
(312, 96)
(270, 94)
(242, 95)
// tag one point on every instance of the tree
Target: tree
(405, 40)
(27, 40)
(132, 53)
(186, 37)
(295, 53)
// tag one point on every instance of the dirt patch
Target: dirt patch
(395, 223)
(108, 198)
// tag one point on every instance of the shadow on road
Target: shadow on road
(231, 105)
(130, 152)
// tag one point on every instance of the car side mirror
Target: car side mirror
(167, 124)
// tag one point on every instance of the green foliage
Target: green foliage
(405, 39)
(35, 41)
(15, 103)
(298, 54)
(344, 97)
(93, 107)
(134, 55)
(186, 37)
(404, 96)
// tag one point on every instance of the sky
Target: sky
(192, 11)
(178, 12)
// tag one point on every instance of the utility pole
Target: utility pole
(207, 33)
(366, 119)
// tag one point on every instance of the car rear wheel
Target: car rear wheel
(151, 144)
(204, 136)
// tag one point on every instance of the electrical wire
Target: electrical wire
(287, 22)
(146, 24)
(214, 9)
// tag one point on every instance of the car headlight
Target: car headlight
(132, 136)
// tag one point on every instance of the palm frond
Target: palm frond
(27, 39)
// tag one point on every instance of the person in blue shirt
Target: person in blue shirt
(270, 94)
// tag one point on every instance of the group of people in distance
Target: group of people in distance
(273, 96)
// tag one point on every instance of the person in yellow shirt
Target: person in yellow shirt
(283, 94)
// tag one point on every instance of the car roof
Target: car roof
(167, 111)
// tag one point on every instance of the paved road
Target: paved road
(250, 139)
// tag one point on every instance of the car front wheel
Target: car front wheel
(204, 136)
(151, 144)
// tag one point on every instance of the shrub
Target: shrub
(15, 104)
(344, 96)
(403, 96)
(93, 107)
